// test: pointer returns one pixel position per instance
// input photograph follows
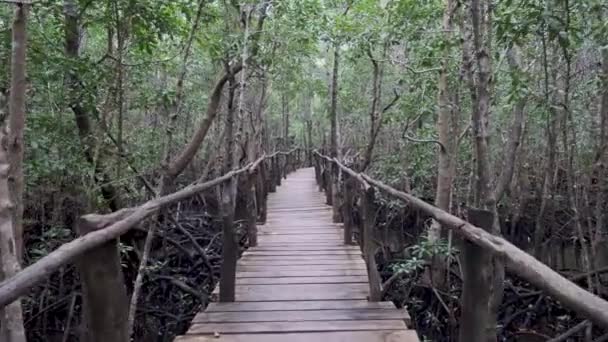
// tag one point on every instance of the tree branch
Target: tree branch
(443, 149)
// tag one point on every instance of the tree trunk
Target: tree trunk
(373, 113)
(11, 315)
(334, 148)
(446, 135)
(481, 13)
(228, 196)
(16, 121)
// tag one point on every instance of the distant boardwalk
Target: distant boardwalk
(301, 284)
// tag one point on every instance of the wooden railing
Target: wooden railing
(96, 252)
(517, 261)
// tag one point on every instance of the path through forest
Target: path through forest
(301, 283)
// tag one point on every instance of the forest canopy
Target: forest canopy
(498, 106)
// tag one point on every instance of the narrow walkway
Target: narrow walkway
(301, 283)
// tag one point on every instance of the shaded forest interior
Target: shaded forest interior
(140, 138)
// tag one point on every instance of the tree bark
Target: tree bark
(11, 315)
(334, 148)
(228, 197)
(16, 121)
(481, 14)
(447, 136)
(11, 178)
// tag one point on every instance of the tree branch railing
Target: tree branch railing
(517, 261)
(96, 250)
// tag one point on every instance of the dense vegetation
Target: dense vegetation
(497, 105)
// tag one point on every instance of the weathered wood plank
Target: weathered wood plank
(302, 280)
(258, 252)
(346, 257)
(299, 316)
(300, 273)
(269, 327)
(298, 305)
(258, 293)
(278, 262)
(306, 268)
(298, 238)
(350, 336)
(320, 232)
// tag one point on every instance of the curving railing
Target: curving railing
(96, 252)
(516, 260)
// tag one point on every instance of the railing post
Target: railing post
(476, 281)
(317, 167)
(277, 169)
(229, 244)
(105, 303)
(261, 192)
(369, 248)
(347, 209)
(271, 186)
(327, 182)
(285, 166)
(336, 194)
(245, 208)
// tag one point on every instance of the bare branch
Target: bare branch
(443, 149)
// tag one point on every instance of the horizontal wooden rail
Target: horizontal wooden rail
(107, 228)
(518, 262)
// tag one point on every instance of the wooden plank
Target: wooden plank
(306, 268)
(316, 326)
(322, 233)
(298, 209)
(339, 336)
(300, 273)
(298, 238)
(310, 250)
(301, 231)
(302, 243)
(352, 257)
(302, 280)
(269, 263)
(260, 293)
(301, 225)
(299, 316)
(299, 305)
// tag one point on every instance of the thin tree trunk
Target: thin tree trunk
(446, 136)
(16, 121)
(480, 18)
(11, 178)
(228, 196)
(334, 148)
(11, 315)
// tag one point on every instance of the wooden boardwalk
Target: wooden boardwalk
(301, 283)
